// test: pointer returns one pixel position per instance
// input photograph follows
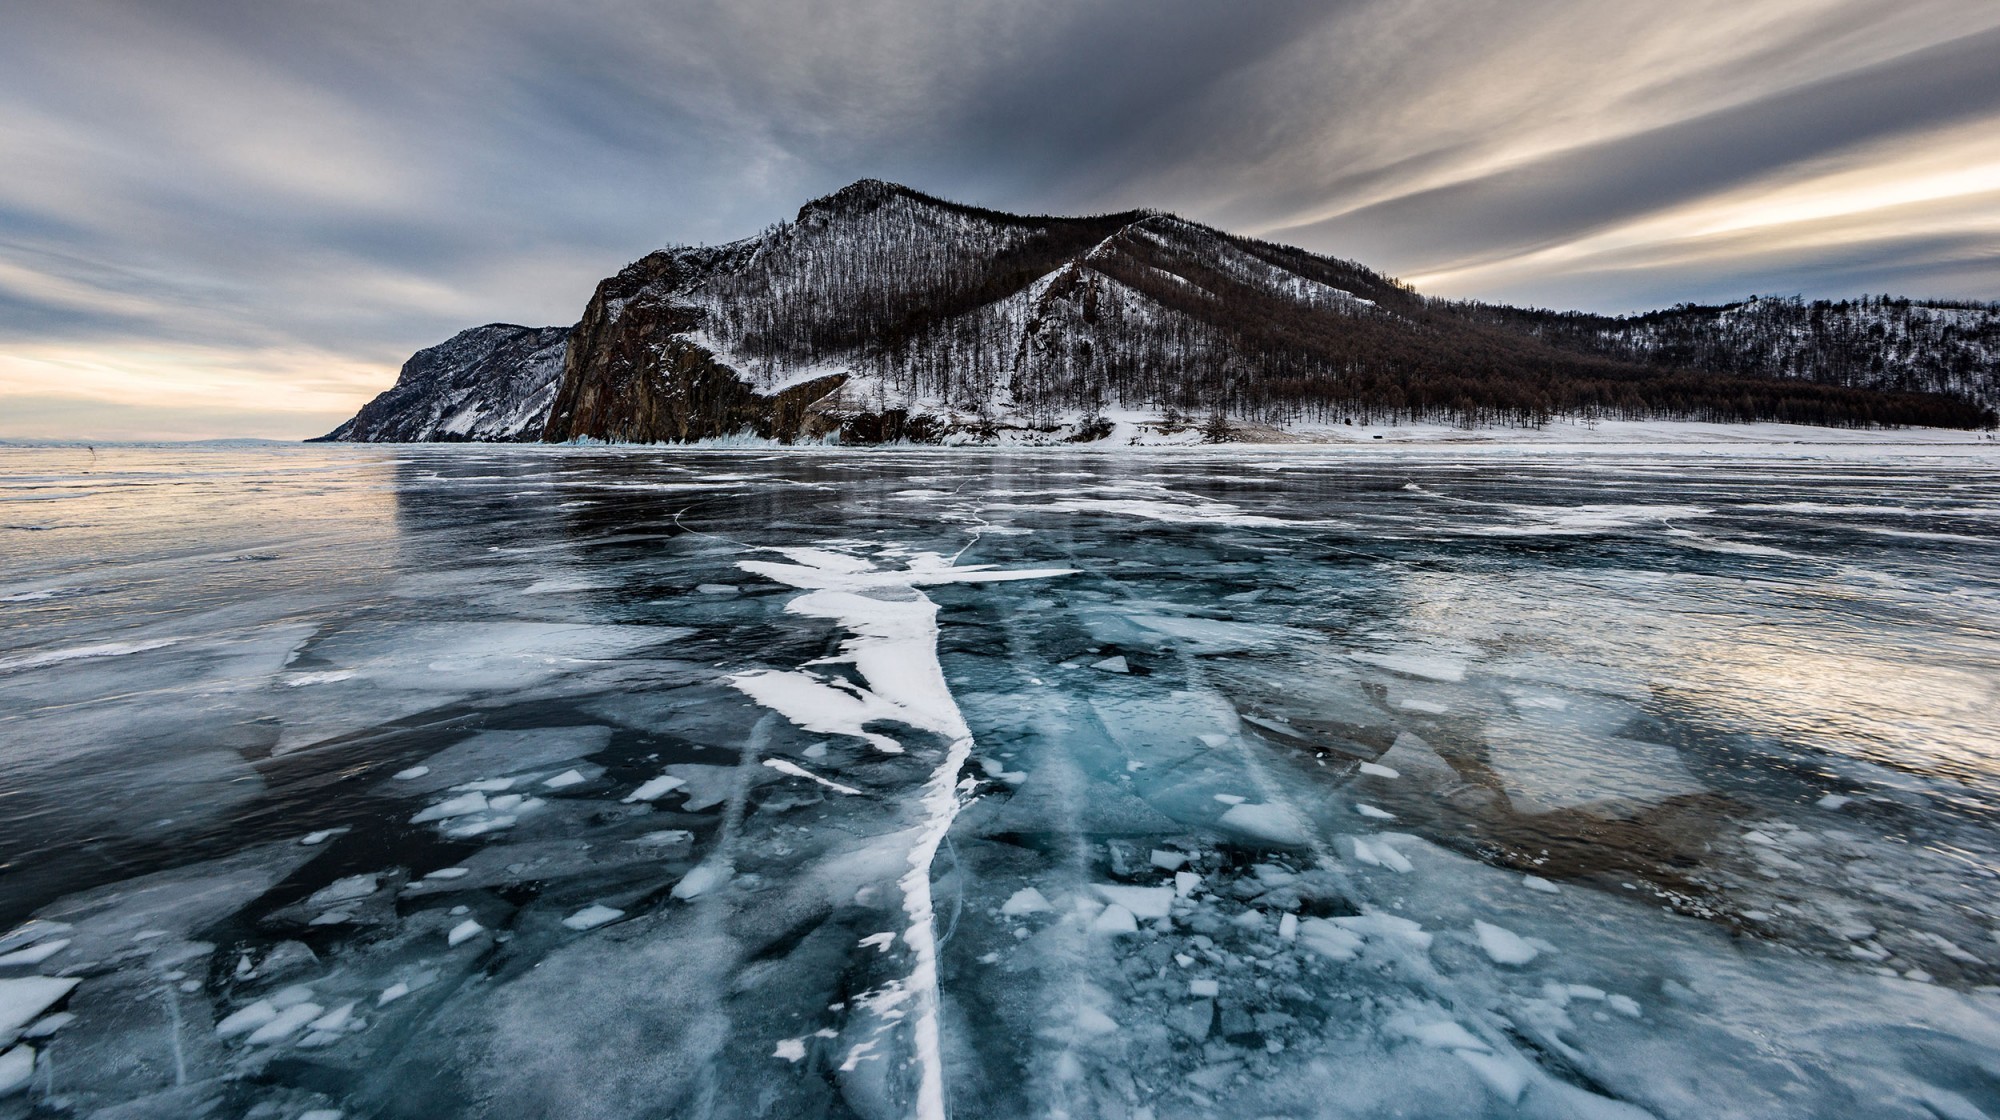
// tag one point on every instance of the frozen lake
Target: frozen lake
(532, 782)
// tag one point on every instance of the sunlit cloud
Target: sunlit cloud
(289, 199)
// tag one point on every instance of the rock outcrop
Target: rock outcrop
(490, 384)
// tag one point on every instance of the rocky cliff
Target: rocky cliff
(488, 384)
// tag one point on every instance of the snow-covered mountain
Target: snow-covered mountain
(1874, 342)
(881, 313)
(488, 384)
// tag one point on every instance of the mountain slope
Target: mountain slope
(883, 313)
(1874, 342)
(488, 384)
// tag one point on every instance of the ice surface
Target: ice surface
(1650, 800)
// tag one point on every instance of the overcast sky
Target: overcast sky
(238, 217)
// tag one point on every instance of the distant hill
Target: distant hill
(881, 313)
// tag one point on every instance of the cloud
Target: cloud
(237, 206)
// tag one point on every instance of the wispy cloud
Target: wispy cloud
(259, 209)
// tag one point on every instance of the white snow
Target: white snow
(797, 771)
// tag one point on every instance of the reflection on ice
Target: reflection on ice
(602, 783)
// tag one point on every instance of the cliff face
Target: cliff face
(488, 384)
(880, 313)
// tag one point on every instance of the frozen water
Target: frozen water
(589, 782)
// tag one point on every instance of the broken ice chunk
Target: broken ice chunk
(1114, 919)
(1185, 882)
(1329, 940)
(565, 780)
(23, 1000)
(1444, 1035)
(48, 1025)
(1168, 861)
(312, 839)
(462, 805)
(344, 890)
(1378, 853)
(1288, 927)
(1092, 1021)
(702, 880)
(1116, 664)
(1505, 1075)
(463, 931)
(1376, 769)
(1449, 670)
(1537, 883)
(334, 1020)
(1204, 989)
(657, 788)
(411, 774)
(392, 993)
(1027, 900)
(17, 1069)
(592, 916)
(1503, 946)
(34, 954)
(1141, 902)
(247, 1019)
(790, 1049)
(1833, 801)
(1273, 823)
(1374, 814)
(28, 933)
(285, 1024)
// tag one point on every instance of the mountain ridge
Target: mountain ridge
(880, 312)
